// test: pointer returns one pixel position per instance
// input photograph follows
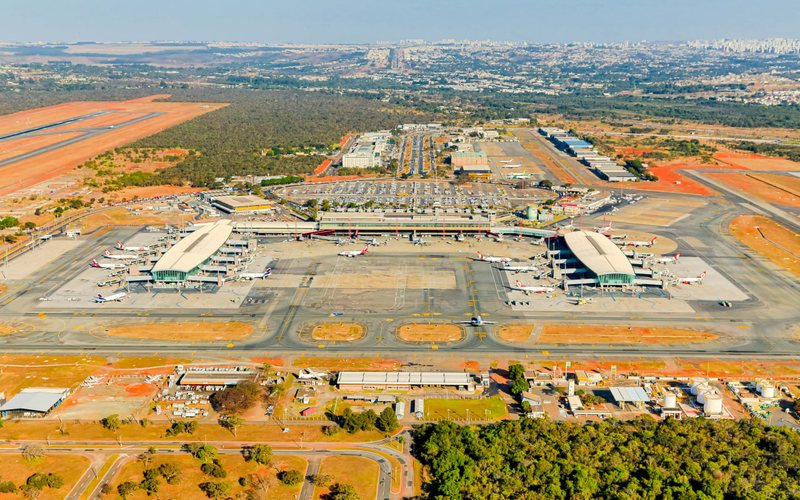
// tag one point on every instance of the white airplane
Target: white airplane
(489, 258)
(535, 289)
(698, 279)
(418, 241)
(354, 253)
(604, 229)
(642, 243)
(373, 242)
(117, 297)
(506, 161)
(617, 236)
(131, 249)
(670, 260)
(109, 265)
(517, 269)
(476, 321)
(254, 276)
(310, 374)
(515, 165)
(119, 256)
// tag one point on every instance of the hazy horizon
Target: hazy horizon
(359, 21)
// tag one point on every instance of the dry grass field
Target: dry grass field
(361, 473)
(184, 331)
(515, 333)
(609, 334)
(782, 248)
(344, 332)
(430, 332)
(70, 467)
(771, 188)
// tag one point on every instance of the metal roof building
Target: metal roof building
(629, 394)
(241, 203)
(185, 258)
(602, 258)
(386, 380)
(37, 400)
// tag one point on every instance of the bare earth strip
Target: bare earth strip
(515, 333)
(187, 331)
(346, 332)
(430, 332)
(605, 334)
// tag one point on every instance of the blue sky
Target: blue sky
(344, 21)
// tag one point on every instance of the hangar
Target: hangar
(191, 253)
(603, 261)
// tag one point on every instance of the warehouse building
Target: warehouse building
(34, 402)
(240, 204)
(592, 258)
(474, 172)
(211, 380)
(400, 381)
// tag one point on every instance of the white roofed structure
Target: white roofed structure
(400, 380)
(195, 250)
(37, 400)
(602, 258)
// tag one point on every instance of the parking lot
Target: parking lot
(408, 194)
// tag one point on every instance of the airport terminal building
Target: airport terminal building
(591, 258)
(193, 253)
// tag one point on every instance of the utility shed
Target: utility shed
(403, 380)
(34, 401)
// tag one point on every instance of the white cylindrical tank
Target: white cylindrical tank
(767, 391)
(699, 387)
(670, 400)
(701, 396)
(713, 404)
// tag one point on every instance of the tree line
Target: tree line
(642, 458)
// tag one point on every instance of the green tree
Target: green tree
(170, 472)
(259, 453)
(202, 452)
(231, 423)
(290, 477)
(111, 422)
(387, 421)
(126, 488)
(340, 491)
(215, 489)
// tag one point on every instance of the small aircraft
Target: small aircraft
(535, 289)
(119, 256)
(489, 258)
(642, 243)
(476, 321)
(506, 161)
(517, 269)
(109, 265)
(131, 249)
(669, 260)
(698, 279)
(254, 276)
(418, 241)
(340, 241)
(354, 253)
(617, 236)
(373, 242)
(515, 165)
(117, 297)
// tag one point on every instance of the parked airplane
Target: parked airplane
(642, 243)
(477, 321)
(418, 241)
(119, 256)
(109, 265)
(131, 249)
(535, 289)
(698, 279)
(373, 242)
(506, 161)
(354, 253)
(117, 297)
(670, 260)
(254, 276)
(517, 269)
(604, 229)
(515, 165)
(310, 374)
(617, 236)
(489, 258)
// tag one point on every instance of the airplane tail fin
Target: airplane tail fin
(94, 263)
(480, 256)
(106, 252)
(517, 282)
(677, 256)
(703, 274)
(119, 244)
(366, 248)
(653, 240)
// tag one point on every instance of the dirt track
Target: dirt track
(784, 254)
(344, 332)
(187, 332)
(430, 332)
(602, 334)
